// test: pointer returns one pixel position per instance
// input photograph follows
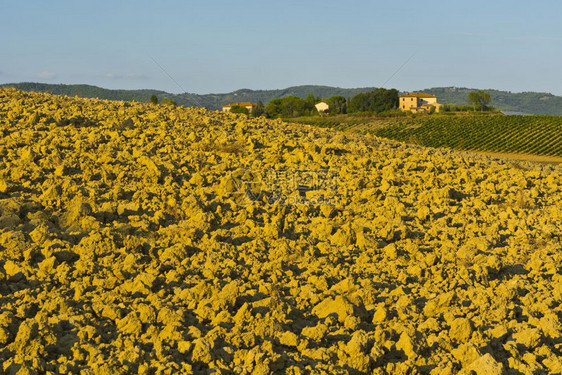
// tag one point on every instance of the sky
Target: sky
(216, 46)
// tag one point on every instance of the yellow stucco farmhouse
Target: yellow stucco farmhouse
(418, 102)
(249, 106)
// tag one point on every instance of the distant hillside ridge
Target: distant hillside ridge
(210, 101)
(525, 102)
(88, 91)
(537, 103)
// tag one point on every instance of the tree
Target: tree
(259, 109)
(376, 101)
(239, 109)
(273, 108)
(290, 106)
(311, 100)
(168, 101)
(480, 100)
(154, 99)
(337, 104)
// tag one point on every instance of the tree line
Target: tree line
(477, 101)
(376, 101)
(166, 101)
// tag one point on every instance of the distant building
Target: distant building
(322, 107)
(418, 102)
(249, 106)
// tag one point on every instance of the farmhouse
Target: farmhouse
(249, 106)
(322, 107)
(418, 102)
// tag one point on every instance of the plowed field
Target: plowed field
(149, 239)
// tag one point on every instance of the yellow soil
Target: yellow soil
(156, 240)
(522, 157)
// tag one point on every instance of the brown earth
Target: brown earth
(523, 157)
(158, 240)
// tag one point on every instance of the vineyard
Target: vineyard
(539, 135)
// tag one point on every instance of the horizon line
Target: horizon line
(274, 89)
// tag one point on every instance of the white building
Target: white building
(322, 107)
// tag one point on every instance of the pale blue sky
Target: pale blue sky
(220, 46)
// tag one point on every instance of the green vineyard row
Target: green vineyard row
(538, 135)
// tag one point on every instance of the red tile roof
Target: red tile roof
(242, 104)
(417, 95)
